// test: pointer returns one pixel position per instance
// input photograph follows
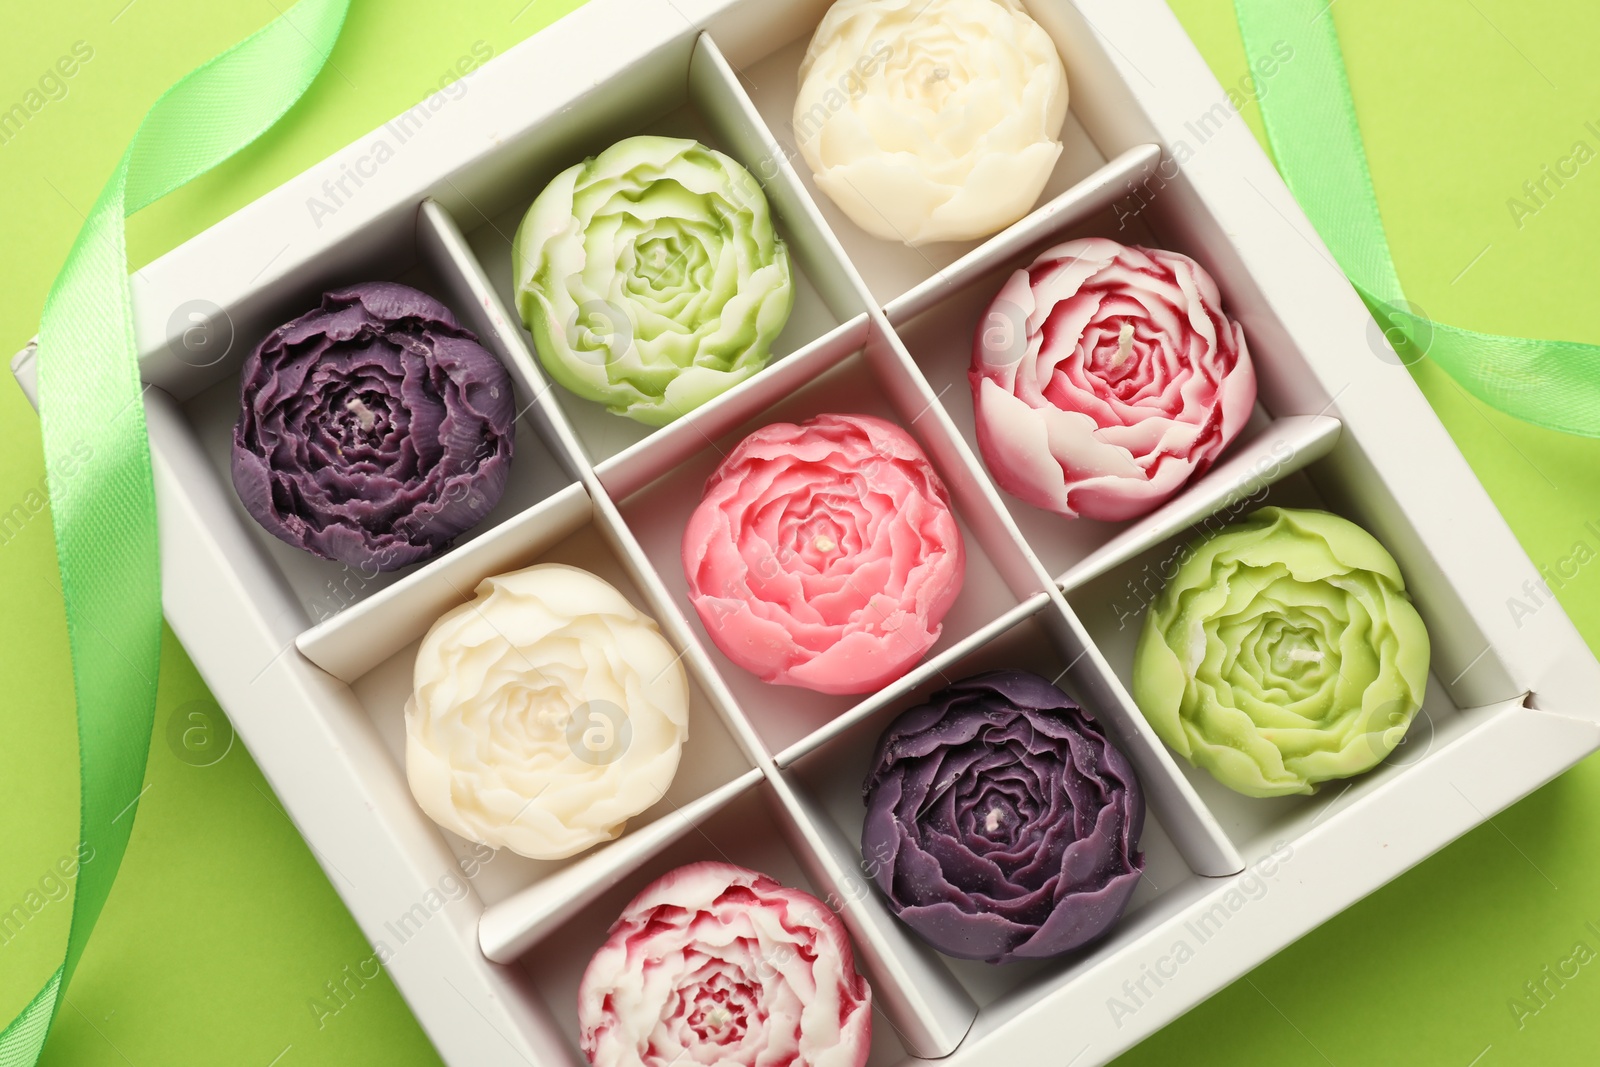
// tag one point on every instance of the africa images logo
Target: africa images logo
(1203, 926)
(51, 86)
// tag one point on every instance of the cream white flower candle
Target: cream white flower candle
(931, 120)
(546, 713)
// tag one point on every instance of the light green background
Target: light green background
(222, 928)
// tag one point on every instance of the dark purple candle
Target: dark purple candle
(373, 429)
(1001, 823)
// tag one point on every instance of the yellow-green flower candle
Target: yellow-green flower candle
(1284, 652)
(651, 277)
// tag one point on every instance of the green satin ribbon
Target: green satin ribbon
(1311, 123)
(97, 455)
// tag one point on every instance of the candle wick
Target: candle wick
(824, 543)
(364, 415)
(1124, 345)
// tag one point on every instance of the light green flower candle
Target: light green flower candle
(1284, 652)
(651, 277)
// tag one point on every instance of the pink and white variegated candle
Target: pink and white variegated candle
(716, 964)
(1106, 377)
(825, 554)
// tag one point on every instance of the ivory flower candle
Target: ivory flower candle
(931, 120)
(546, 713)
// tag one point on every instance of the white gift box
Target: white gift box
(312, 660)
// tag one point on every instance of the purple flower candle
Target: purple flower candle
(373, 429)
(1001, 822)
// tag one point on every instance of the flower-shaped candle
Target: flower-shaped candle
(1282, 653)
(715, 964)
(546, 713)
(931, 120)
(373, 429)
(1002, 824)
(824, 554)
(651, 277)
(1105, 377)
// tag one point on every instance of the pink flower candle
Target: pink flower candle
(715, 964)
(824, 555)
(1106, 377)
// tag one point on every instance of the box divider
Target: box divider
(918, 675)
(440, 240)
(717, 92)
(1230, 488)
(511, 341)
(967, 481)
(638, 465)
(357, 639)
(511, 927)
(1199, 837)
(922, 1004)
(929, 1009)
(671, 619)
(1114, 179)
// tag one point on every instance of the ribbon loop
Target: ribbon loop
(1311, 123)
